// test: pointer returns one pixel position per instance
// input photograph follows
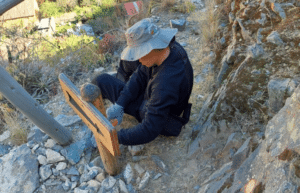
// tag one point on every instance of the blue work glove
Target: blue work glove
(115, 112)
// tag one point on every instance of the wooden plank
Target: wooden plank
(100, 126)
(18, 96)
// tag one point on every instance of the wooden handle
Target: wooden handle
(114, 122)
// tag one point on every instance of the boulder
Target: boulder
(19, 171)
(278, 90)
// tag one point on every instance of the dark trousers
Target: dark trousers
(111, 88)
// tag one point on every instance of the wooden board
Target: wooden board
(91, 116)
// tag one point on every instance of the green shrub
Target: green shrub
(67, 5)
(85, 3)
(50, 9)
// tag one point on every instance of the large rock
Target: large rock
(19, 171)
(278, 90)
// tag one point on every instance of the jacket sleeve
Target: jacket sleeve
(134, 87)
(158, 108)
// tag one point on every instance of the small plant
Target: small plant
(190, 7)
(67, 5)
(51, 9)
(18, 134)
(209, 20)
(186, 7)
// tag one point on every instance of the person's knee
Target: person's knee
(100, 79)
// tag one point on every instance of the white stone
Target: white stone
(42, 160)
(77, 190)
(139, 169)
(94, 183)
(5, 135)
(53, 156)
(109, 182)
(144, 181)
(122, 185)
(100, 170)
(34, 148)
(61, 166)
(100, 177)
(99, 69)
(136, 149)
(50, 143)
(128, 173)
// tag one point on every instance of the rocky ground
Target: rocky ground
(244, 139)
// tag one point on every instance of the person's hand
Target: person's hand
(115, 112)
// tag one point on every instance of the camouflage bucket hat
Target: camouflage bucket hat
(143, 37)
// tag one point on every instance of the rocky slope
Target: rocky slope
(246, 138)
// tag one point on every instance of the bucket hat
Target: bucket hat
(143, 37)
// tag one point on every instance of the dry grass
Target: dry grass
(18, 134)
(185, 7)
(209, 21)
(166, 4)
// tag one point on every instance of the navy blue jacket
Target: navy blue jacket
(166, 89)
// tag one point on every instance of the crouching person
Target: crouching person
(153, 84)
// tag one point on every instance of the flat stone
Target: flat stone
(157, 176)
(144, 181)
(138, 158)
(45, 172)
(178, 23)
(139, 169)
(128, 173)
(160, 163)
(53, 156)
